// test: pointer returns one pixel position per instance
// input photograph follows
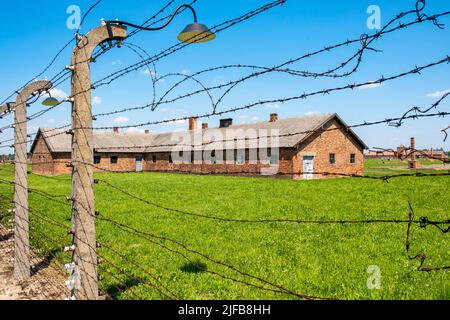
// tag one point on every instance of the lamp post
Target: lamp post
(84, 278)
(21, 218)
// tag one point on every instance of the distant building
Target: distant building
(308, 147)
(438, 154)
(432, 154)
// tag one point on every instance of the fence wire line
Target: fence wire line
(423, 221)
(365, 41)
(398, 121)
(52, 62)
(422, 255)
(278, 288)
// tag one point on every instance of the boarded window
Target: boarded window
(352, 158)
(114, 159)
(332, 158)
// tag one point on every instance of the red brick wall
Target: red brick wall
(163, 164)
(290, 163)
(61, 160)
(126, 162)
(332, 141)
(42, 161)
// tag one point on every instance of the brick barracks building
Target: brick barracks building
(295, 148)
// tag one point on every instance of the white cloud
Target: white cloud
(438, 94)
(273, 106)
(177, 123)
(256, 118)
(97, 101)
(186, 72)
(116, 62)
(58, 93)
(370, 86)
(134, 130)
(180, 122)
(121, 120)
(148, 71)
(244, 116)
(311, 113)
(51, 121)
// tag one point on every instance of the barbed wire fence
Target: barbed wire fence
(62, 243)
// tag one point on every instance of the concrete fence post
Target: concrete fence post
(85, 275)
(21, 218)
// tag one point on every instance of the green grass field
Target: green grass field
(319, 260)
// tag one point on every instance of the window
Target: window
(240, 156)
(273, 157)
(213, 157)
(154, 159)
(114, 159)
(352, 158)
(97, 159)
(332, 158)
(170, 159)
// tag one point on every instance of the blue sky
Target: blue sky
(35, 31)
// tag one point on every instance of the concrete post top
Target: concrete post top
(95, 37)
(36, 86)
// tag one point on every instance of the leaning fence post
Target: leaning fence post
(83, 282)
(21, 218)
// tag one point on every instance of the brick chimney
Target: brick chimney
(205, 126)
(413, 148)
(413, 163)
(273, 117)
(116, 129)
(147, 131)
(225, 123)
(193, 124)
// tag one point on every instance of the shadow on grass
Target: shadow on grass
(194, 267)
(113, 291)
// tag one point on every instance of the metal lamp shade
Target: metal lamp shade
(50, 102)
(196, 33)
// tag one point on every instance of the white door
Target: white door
(138, 163)
(308, 167)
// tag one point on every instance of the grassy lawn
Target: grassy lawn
(374, 167)
(319, 260)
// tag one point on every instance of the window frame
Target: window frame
(352, 158)
(99, 157)
(240, 157)
(114, 157)
(274, 158)
(332, 158)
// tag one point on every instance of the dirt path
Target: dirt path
(46, 283)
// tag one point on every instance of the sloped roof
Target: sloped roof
(288, 132)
